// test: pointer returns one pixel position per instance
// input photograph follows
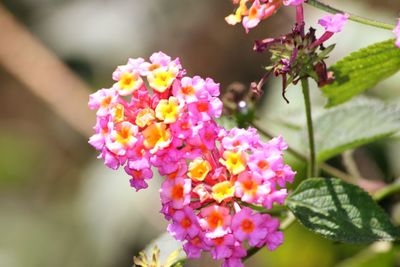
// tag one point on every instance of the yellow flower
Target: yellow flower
(145, 117)
(156, 136)
(161, 79)
(128, 83)
(117, 112)
(198, 169)
(168, 110)
(235, 162)
(222, 190)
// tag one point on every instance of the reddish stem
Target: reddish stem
(327, 35)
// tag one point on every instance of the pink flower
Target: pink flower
(111, 160)
(208, 134)
(194, 246)
(161, 59)
(176, 192)
(102, 101)
(184, 224)
(334, 23)
(264, 164)
(250, 188)
(256, 14)
(167, 161)
(248, 226)
(277, 196)
(188, 88)
(239, 139)
(251, 12)
(215, 220)
(127, 79)
(293, 2)
(183, 127)
(139, 177)
(397, 33)
(222, 246)
(212, 87)
(122, 137)
(205, 110)
(274, 237)
(138, 156)
(232, 262)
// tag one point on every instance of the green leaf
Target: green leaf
(324, 54)
(340, 211)
(362, 70)
(357, 123)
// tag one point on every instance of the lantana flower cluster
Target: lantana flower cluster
(252, 12)
(154, 117)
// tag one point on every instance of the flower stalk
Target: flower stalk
(352, 17)
(312, 166)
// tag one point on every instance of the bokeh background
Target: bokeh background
(59, 206)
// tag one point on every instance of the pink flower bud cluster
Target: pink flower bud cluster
(252, 12)
(155, 117)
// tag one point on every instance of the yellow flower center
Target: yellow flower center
(223, 190)
(145, 117)
(156, 136)
(168, 110)
(198, 169)
(235, 162)
(118, 113)
(160, 80)
(124, 133)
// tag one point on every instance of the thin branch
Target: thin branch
(40, 71)
(355, 18)
(312, 170)
(387, 191)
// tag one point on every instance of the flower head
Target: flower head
(168, 125)
(251, 12)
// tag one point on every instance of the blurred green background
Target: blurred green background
(59, 206)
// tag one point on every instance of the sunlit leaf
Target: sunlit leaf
(349, 126)
(362, 70)
(340, 211)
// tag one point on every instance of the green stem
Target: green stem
(387, 191)
(278, 210)
(312, 164)
(365, 21)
